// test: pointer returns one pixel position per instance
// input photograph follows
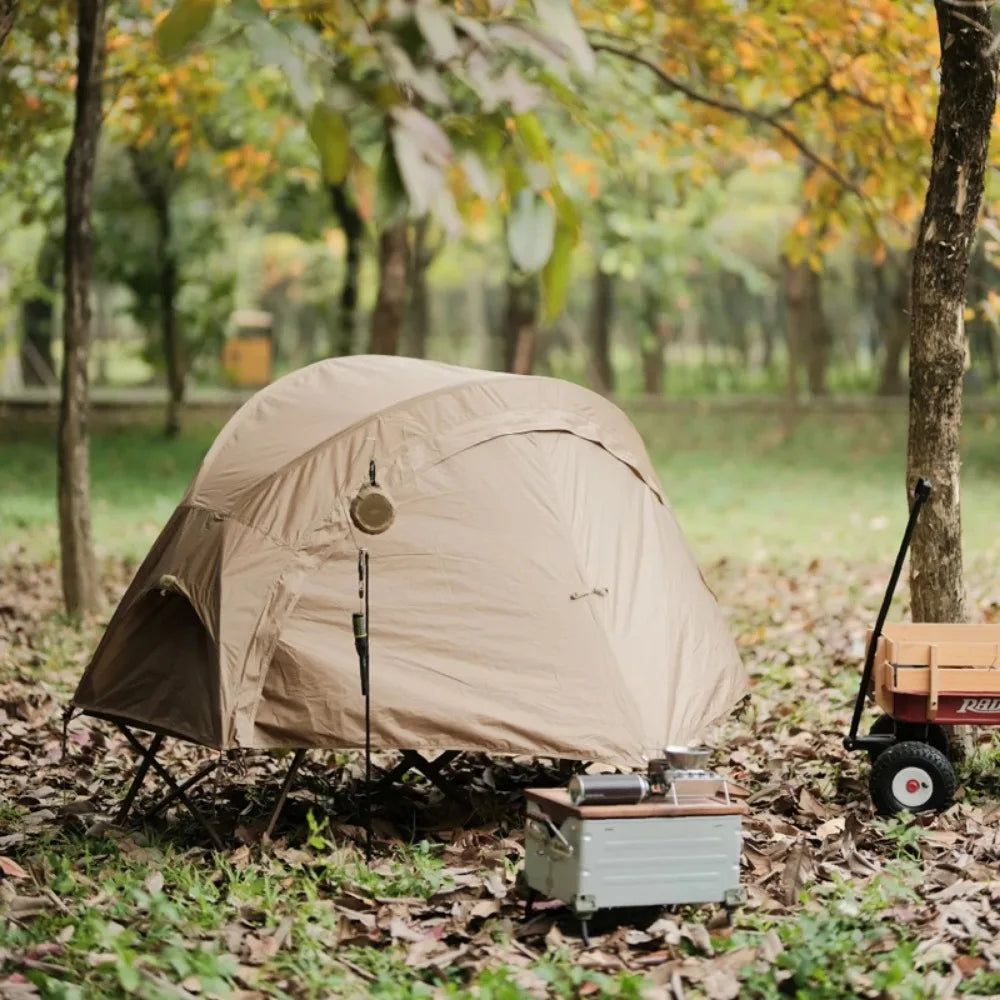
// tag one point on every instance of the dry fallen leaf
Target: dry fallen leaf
(11, 868)
(720, 984)
(153, 883)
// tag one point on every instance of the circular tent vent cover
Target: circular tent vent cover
(371, 510)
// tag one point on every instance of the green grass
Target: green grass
(141, 915)
(137, 478)
(744, 489)
(741, 487)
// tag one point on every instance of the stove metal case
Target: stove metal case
(680, 847)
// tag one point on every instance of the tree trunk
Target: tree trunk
(601, 318)
(8, 10)
(790, 296)
(353, 228)
(172, 347)
(770, 315)
(652, 344)
(419, 319)
(521, 324)
(393, 264)
(807, 330)
(891, 314)
(79, 572)
(153, 173)
(38, 319)
(940, 266)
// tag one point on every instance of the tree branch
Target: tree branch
(823, 86)
(734, 108)
(8, 11)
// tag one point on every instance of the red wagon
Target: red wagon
(923, 676)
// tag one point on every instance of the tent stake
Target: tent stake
(286, 786)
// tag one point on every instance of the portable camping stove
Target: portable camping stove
(671, 836)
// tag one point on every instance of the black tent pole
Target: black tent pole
(368, 722)
(361, 645)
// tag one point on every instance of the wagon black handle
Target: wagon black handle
(921, 492)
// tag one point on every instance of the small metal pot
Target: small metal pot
(686, 758)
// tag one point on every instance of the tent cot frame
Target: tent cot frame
(411, 760)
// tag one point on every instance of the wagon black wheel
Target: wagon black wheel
(932, 734)
(911, 777)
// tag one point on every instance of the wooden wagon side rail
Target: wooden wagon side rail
(953, 680)
(949, 653)
(931, 660)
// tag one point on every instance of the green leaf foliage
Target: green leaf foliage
(183, 23)
(558, 268)
(328, 130)
(557, 272)
(531, 231)
(274, 48)
(533, 136)
(559, 21)
(437, 31)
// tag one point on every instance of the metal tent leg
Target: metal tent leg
(430, 769)
(140, 777)
(197, 777)
(286, 787)
(178, 791)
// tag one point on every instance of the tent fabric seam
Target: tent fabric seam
(627, 458)
(298, 571)
(623, 455)
(367, 419)
(393, 407)
(228, 515)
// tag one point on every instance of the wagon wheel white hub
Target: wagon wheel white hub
(912, 787)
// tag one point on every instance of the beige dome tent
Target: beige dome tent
(534, 594)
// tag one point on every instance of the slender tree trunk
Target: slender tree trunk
(393, 262)
(791, 296)
(940, 266)
(419, 319)
(353, 228)
(521, 324)
(38, 319)
(153, 171)
(79, 572)
(601, 319)
(891, 314)
(172, 347)
(736, 316)
(652, 345)
(8, 11)
(807, 330)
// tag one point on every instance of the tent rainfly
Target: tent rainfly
(534, 594)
